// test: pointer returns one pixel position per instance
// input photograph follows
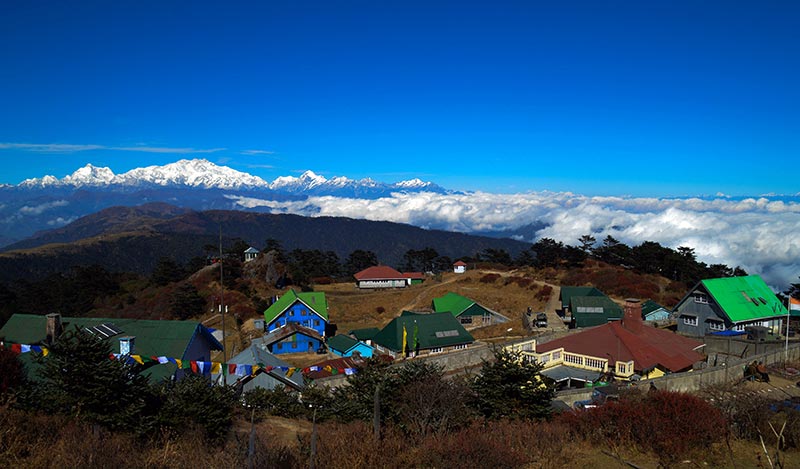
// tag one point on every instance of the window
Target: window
(294, 344)
(739, 328)
(437, 350)
(702, 299)
(280, 346)
(466, 319)
(303, 312)
(291, 312)
(316, 322)
(690, 320)
(460, 347)
(716, 326)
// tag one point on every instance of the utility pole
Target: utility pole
(222, 306)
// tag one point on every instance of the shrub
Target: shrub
(490, 278)
(195, 402)
(273, 402)
(670, 424)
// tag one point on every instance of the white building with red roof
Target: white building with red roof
(459, 267)
(381, 276)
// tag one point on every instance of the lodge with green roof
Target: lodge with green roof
(413, 334)
(588, 306)
(183, 340)
(305, 311)
(468, 312)
(723, 305)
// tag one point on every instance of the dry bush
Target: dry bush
(490, 278)
(544, 293)
(672, 425)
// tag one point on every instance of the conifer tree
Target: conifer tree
(79, 378)
(512, 387)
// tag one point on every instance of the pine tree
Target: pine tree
(509, 386)
(80, 379)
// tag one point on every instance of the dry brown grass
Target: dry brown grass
(351, 308)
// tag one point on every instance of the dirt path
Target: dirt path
(427, 288)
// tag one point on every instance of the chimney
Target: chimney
(127, 345)
(632, 319)
(54, 328)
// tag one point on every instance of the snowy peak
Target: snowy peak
(90, 175)
(192, 173)
(415, 183)
(201, 173)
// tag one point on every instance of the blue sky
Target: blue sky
(598, 98)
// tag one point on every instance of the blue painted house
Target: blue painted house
(346, 346)
(296, 322)
(652, 311)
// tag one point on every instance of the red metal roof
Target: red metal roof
(460, 263)
(647, 348)
(414, 275)
(379, 272)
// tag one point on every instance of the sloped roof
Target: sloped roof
(366, 333)
(567, 292)
(343, 343)
(414, 275)
(276, 335)
(153, 337)
(251, 250)
(647, 348)
(315, 301)
(595, 301)
(650, 306)
(257, 354)
(744, 298)
(452, 303)
(460, 264)
(433, 330)
(379, 272)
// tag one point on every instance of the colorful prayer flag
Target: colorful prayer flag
(794, 304)
(403, 348)
(290, 372)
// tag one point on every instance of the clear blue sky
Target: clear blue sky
(597, 97)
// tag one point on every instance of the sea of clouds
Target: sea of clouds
(762, 235)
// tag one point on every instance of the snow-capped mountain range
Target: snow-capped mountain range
(200, 173)
(49, 202)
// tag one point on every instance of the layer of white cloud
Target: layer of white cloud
(71, 148)
(758, 234)
(41, 208)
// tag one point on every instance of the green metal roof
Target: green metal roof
(153, 337)
(452, 303)
(433, 330)
(744, 298)
(568, 292)
(365, 334)
(649, 306)
(314, 300)
(612, 309)
(342, 343)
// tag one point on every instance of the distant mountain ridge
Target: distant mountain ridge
(134, 238)
(201, 173)
(47, 202)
